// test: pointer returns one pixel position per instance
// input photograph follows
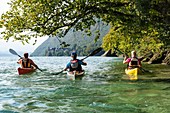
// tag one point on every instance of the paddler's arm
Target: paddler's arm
(84, 63)
(67, 66)
(65, 69)
(19, 61)
(125, 60)
(140, 64)
(32, 62)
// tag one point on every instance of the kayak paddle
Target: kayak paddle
(91, 54)
(15, 53)
(57, 73)
(144, 70)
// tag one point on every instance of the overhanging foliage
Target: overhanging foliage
(34, 18)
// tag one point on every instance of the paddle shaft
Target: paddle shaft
(57, 73)
(84, 58)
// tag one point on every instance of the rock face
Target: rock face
(159, 58)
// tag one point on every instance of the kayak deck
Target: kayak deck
(72, 75)
(22, 71)
(132, 73)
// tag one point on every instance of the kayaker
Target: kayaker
(75, 64)
(132, 62)
(27, 62)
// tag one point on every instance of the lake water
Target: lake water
(104, 88)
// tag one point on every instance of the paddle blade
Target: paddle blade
(39, 69)
(95, 51)
(13, 52)
(57, 73)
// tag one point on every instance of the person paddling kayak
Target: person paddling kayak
(134, 65)
(75, 64)
(27, 62)
(132, 62)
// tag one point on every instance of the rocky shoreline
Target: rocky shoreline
(162, 57)
(158, 58)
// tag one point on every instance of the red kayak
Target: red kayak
(22, 71)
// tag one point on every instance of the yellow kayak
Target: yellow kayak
(132, 73)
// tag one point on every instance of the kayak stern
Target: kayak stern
(132, 73)
(22, 71)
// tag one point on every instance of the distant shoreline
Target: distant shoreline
(5, 54)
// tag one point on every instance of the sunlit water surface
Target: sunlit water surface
(103, 89)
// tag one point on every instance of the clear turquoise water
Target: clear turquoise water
(103, 89)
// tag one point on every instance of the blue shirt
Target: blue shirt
(80, 62)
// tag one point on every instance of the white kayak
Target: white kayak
(72, 75)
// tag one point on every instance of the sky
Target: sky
(16, 45)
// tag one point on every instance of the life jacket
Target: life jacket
(26, 63)
(75, 65)
(134, 62)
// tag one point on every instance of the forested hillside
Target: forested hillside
(78, 41)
